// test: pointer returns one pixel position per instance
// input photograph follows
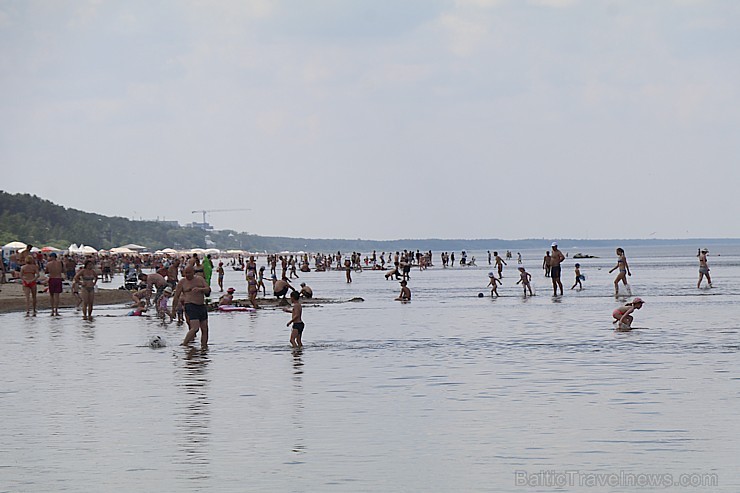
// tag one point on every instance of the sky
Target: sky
(380, 119)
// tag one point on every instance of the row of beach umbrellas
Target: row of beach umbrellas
(131, 248)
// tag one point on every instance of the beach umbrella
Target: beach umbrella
(50, 249)
(122, 250)
(169, 251)
(212, 251)
(15, 245)
(86, 249)
(134, 246)
(199, 251)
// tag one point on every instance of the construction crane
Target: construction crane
(204, 225)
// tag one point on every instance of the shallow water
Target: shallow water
(450, 392)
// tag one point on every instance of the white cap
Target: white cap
(554, 244)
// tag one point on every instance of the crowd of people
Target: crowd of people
(186, 280)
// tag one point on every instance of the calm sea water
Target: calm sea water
(448, 393)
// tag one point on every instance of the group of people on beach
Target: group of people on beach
(187, 280)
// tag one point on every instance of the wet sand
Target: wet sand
(12, 298)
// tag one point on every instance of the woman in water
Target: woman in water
(703, 268)
(87, 279)
(624, 271)
(29, 278)
(622, 316)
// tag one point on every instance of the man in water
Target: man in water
(546, 264)
(555, 259)
(306, 291)
(151, 280)
(405, 292)
(280, 287)
(55, 270)
(193, 290)
(297, 311)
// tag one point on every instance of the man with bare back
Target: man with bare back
(193, 290)
(555, 259)
(55, 271)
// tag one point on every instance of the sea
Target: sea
(450, 392)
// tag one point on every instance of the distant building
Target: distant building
(203, 226)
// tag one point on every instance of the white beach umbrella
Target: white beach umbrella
(86, 249)
(169, 251)
(122, 250)
(134, 246)
(15, 245)
(212, 251)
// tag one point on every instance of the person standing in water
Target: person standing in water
(499, 264)
(492, 281)
(87, 279)
(30, 277)
(703, 268)
(55, 270)
(624, 271)
(546, 264)
(524, 278)
(555, 259)
(297, 311)
(193, 291)
(208, 268)
(579, 278)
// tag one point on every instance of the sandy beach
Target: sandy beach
(13, 300)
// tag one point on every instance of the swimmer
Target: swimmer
(622, 315)
(555, 259)
(524, 278)
(492, 281)
(624, 271)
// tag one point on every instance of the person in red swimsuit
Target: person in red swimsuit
(29, 278)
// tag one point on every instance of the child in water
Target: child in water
(162, 304)
(524, 278)
(492, 282)
(622, 315)
(579, 278)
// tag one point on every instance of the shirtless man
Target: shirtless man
(405, 294)
(555, 259)
(546, 264)
(703, 269)
(172, 273)
(297, 311)
(499, 264)
(280, 287)
(70, 267)
(306, 291)
(193, 291)
(55, 271)
(151, 280)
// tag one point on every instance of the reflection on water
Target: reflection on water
(449, 393)
(193, 416)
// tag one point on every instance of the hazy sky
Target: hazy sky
(380, 119)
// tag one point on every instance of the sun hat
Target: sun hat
(637, 300)
(230, 290)
(168, 290)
